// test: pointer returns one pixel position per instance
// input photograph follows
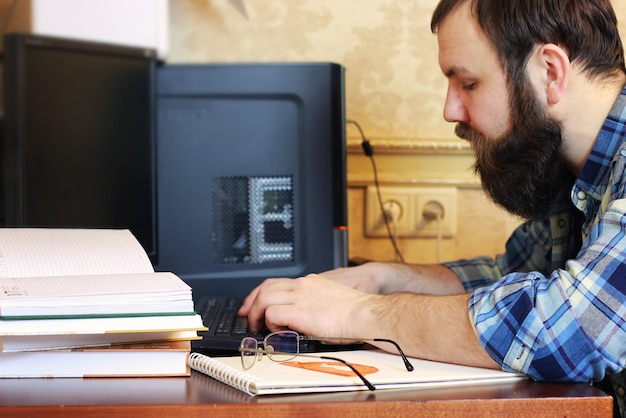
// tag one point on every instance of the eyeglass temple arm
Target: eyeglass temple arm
(366, 382)
(406, 361)
(354, 369)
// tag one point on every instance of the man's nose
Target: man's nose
(454, 110)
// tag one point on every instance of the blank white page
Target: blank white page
(40, 252)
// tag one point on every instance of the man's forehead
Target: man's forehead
(462, 43)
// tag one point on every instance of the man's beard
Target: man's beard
(522, 171)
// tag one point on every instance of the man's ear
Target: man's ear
(556, 66)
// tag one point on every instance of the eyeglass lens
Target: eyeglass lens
(248, 348)
(279, 346)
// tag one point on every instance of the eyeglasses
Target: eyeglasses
(285, 345)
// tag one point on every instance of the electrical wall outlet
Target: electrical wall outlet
(412, 206)
(394, 200)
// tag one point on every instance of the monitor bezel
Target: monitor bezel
(16, 45)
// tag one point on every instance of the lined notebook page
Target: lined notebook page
(40, 252)
(119, 284)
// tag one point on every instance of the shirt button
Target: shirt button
(581, 195)
(562, 223)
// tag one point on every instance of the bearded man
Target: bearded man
(537, 88)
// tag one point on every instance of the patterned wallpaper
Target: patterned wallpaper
(394, 87)
(393, 84)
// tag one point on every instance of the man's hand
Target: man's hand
(313, 305)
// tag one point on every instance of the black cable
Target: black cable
(369, 152)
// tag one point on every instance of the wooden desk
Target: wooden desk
(201, 396)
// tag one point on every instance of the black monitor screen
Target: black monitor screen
(79, 143)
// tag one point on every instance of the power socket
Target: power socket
(392, 199)
(413, 203)
(427, 200)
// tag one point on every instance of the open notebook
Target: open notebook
(308, 374)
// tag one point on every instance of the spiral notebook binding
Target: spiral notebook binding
(222, 372)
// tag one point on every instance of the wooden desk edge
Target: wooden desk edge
(584, 407)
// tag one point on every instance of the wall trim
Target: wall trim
(411, 146)
(464, 183)
(397, 159)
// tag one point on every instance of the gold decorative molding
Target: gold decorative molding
(465, 183)
(413, 162)
(411, 146)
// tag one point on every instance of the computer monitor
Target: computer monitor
(79, 140)
(251, 172)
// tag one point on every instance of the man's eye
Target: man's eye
(469, 86)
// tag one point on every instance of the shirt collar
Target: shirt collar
(609, 141)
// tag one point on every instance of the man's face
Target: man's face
(477, 87)
(517, 145)
(522, 170)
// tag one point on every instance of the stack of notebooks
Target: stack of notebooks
(87, 303)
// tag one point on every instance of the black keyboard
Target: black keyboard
(225, 328)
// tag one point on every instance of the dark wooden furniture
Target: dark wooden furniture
(201, 396)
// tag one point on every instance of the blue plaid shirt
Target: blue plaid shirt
(554, 305)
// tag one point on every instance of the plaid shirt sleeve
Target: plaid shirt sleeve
(528, 249)
(538, 246)
(566, 323)
(569, 326)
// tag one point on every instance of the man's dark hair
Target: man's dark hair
(585, 29)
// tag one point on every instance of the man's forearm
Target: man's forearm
(432, 279)
(429, 327)
(386, 278)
